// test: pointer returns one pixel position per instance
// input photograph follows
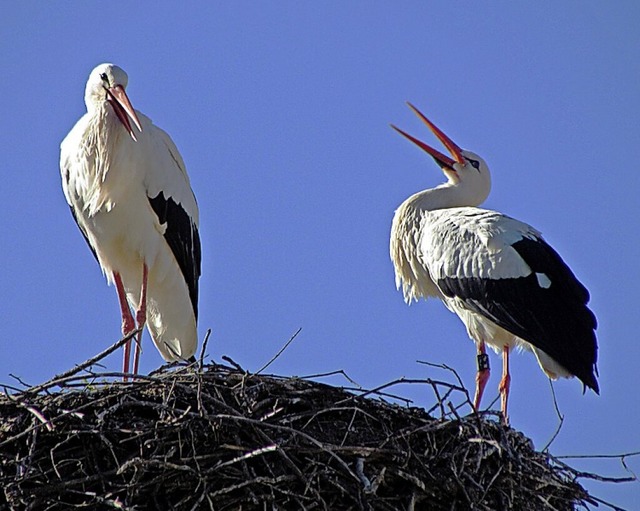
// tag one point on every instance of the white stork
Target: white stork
(129, 192)
(506, 284)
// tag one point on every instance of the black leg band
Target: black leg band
(483, 362)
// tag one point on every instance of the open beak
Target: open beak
(121, 104)
(444, 161)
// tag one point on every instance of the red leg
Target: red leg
(141, 316)
(128, 323)
(505, 383)
(482, 376)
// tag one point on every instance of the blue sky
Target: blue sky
(281, 112)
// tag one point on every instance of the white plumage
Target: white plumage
(507, 285)
(459, 242)
(130, 194)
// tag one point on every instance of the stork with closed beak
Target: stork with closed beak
(129, 192)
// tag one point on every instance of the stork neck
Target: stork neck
(447, 195)
(96, 108)
(104, 127)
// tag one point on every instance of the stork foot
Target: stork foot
(128, 326)
(128, 323)
(141, 317)
(505, 384)
(482, 377)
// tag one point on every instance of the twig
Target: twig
(235, 365)
(403, 379)
(589, 475)
(19, 380)
(256, 452)
(460, 386)
(37, 413)
(333, 373)
(204, 348)
(274, 358)
(359, 391)
(608, 504)
(598, 456)
(560, 417)
(56, 379)
(626, 467)
(453, 411)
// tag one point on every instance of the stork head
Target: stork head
(107, 83)
(464, 170)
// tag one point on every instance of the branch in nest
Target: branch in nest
(216, 436)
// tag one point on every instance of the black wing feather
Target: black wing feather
(65, 177)
(183, 239)
(84, 234)
(555, 319)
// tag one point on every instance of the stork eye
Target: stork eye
(474, 163)
(104, 77)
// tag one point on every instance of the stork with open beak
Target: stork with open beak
(507, 285)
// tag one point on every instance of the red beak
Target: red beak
(452, 147)
(122, 106)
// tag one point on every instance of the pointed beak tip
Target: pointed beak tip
(451, 146)
(125, 109)
(441, 159)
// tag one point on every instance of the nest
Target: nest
(216, 437)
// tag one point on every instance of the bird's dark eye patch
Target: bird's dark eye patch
(104, 77)
(474, 163)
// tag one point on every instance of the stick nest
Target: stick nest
(214, 437)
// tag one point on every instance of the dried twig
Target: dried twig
(216, 437)
(560, 418)
(87, 363)
(203, 351)
(280, 351)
